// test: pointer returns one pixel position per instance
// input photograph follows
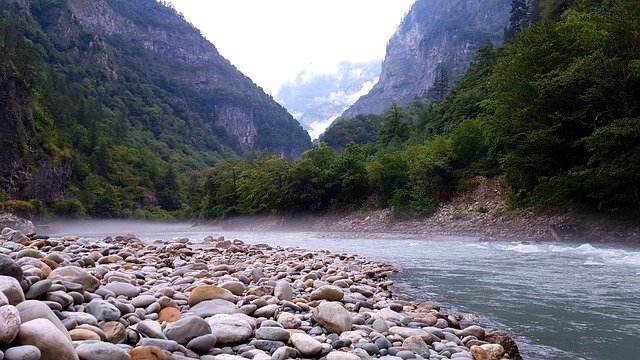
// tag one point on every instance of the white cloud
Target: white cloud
(272, 41)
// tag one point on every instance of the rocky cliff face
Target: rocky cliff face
(25, 170)
(435, 36)
(132, 64)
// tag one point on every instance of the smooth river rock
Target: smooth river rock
(51, 342)
(101, 351)
(229, 329)
(24, 352)
(210, 308)
(333, 316)
(9, 324)
(75, 274)
(186, 329)
(11, 288)
(306, 344)
(33, 309)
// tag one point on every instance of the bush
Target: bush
(69, 207)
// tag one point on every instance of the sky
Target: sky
(271, 41)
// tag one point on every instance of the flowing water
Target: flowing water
(559, 300)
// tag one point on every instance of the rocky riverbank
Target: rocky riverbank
(121, 298)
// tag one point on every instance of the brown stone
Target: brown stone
(507, 342)
(83, 334)
(209, 292)
(115, 332)
(169, 314)
(149, 353)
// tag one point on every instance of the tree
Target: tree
(520, 18)
(440, 86)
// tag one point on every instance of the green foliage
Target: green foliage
(71, 207)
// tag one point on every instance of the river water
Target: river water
(558, 300)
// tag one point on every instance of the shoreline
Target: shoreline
(284, 302)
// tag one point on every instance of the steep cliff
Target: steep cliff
(436, 37)
(111, 94)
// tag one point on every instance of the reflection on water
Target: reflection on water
(560, 300)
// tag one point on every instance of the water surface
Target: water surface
(559, 300)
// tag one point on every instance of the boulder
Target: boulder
(75, 274)
(307, 345)
(51, 342)
(272, 333)
(11, 289)
(9, 324)
(33, 309)
(229, 329)
(103, 310)
(9, 267)
(186, 329)
(333, 316)
(115, 332)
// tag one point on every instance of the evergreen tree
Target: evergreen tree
(440, 86)
(520, 18)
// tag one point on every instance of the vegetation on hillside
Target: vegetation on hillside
(556, 111)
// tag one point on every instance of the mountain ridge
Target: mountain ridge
(435, 36)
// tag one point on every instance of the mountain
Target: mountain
(105, 100)
(318, 99)
(436, 39)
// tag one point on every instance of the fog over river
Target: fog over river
(559, 300)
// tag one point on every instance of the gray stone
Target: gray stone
(125, 289)
(339, 355)
(289, 321)
(285, 352)
(11, 288)
(9, 267)
(143, 301)
(236, 287)
(12, 235)
(75, 274)
(283, 290)
(60, 297)
(186, 329)
(9, 324)
(272, 333)
(370, 348)
(33, 309)
(101, 351)
(267, 345)
(333, 316)
(24, 352)
(202, 344)
(168, 345)
(406, 354)
(229, 329)
(306, 344)
(380, 326)
(416, 344)
(38, 289)
(213, 307)
(150, 329)
(44, 335)
(266, 311)
(103, 310)
(79, 318)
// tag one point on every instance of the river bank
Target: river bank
(483, 212)
(121, 298)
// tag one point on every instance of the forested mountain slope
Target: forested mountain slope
(104, 101)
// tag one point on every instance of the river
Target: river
(558, 300)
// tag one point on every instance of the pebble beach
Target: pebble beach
(124, 299)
